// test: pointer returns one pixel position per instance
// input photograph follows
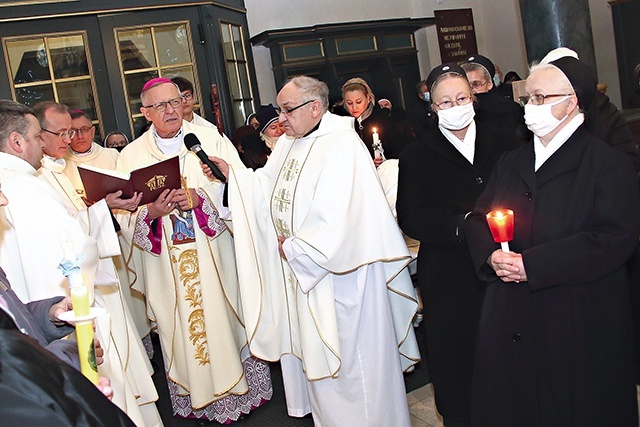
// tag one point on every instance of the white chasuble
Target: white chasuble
(132, 287)
(191, 284)
(342, 302)
(126, 362)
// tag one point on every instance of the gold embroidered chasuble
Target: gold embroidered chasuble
(192, 286)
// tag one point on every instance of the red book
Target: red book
(150, 180)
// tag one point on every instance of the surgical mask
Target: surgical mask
(426, 97)
(457, 117)
(496, 80)
(540, 120)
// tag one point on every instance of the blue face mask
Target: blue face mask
(496, 80)
(426, 97)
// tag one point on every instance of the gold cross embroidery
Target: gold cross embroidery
(282, 200)
(291, 169)
(282, 228)
(293, 282)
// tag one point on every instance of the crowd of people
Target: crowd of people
(289, 245)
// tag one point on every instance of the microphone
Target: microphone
(193, 144)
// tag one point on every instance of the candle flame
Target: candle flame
(374, 130)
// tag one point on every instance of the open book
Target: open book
(150, 180)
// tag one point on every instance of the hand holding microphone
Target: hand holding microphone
(192, 142)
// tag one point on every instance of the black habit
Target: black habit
(558, 350)
(437, 187)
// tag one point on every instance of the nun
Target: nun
(555, 343)
(440, 178)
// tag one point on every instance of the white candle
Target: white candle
(376, 137)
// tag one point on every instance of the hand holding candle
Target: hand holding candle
(378, 151)
(501, 226)
(81, 310)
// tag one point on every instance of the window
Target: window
(145, 52)
(237, 72)
(53, 67)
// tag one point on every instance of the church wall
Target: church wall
(498, 30)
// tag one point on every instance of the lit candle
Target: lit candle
(501, 226)
(376, 137)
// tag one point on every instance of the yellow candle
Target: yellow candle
(86, 350)
(80, 300)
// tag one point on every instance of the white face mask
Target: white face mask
(457, 117)
(540, 120)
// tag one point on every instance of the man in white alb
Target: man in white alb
(322, 268)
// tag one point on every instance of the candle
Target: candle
(81, 311)
(501, 226)
(376, 137)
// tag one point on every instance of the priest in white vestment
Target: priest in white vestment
(83, 151)
(188, 261)
(126, 361)
(322, 268)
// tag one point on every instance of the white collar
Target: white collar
(466, 146)
(542, 153)
(168, 146)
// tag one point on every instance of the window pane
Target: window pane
(77, 95)
(226, 41)
(136, 49)
(173, 45)
(238, 112)
(68, 56)
(244, 80)
(134, 87)
(32, 95)
(187, 73)
(233, 80)
(28, 61)
(140, 125)
(248, 109)
(237, 42)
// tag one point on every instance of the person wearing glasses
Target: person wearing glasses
(38, 219)
(187, 257)
(128, 364)
(322, 273)
(492, 109)
(83, 150)
(555, 343)
(188, 100)
(440, 178)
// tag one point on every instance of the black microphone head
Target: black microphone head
(191, 140)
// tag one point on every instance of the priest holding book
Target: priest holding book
(188, 263)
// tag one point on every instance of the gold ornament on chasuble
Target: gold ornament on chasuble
(189, 274)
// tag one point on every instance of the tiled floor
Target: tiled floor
(423, 408)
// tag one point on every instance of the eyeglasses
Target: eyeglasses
(187, 97)
(82, 130)
(159, 107)
(538, 99)
(478, 84)
(445, 105)
(64, 134)
(287, 111)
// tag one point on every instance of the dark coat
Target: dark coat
(392, 139)
(437, 186)
(557, 350)
(33, 319)
(38, 389)
(501, 113)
